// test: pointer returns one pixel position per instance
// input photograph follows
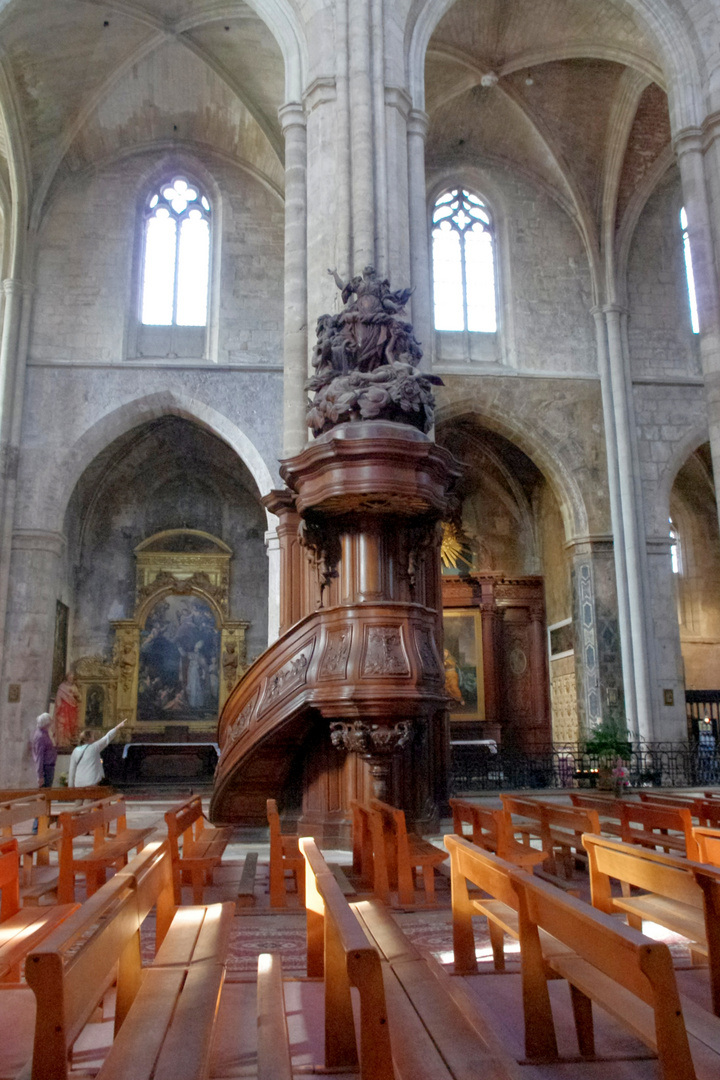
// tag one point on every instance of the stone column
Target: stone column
(35, 586)
(701, 196)
(295, 341)
(422, 314)
(598, 661)
(616, 519)
(272, 546)
(363, 147)
(630, 502)
(13, 346)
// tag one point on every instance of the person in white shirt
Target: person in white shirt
(86, 767)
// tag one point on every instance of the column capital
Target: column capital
(584, 546)
(38, 540)
(292, 114)
(13, 286)
(688, 140)
(418, 123)
(321, 91)
(398, 99)
(614, 309)
(711, 129)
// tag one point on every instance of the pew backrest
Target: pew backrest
(651, 817)
(9, 879)
(340, 952)
(653, 871)
(708, 841)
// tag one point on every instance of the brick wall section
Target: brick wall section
(649, 135)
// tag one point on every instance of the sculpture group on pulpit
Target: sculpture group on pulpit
(366, 360)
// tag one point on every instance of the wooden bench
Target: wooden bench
(165, 1014)
(285, 855)
(706, 811)
(339, 952)
(110, 849)
(650, 824)
(57, 794)
(492, 830)
(196, 848)
(415, 1021)
(470, 863)
(38, 878)
(708, 842)
(615, 966)
(558, 827)
(21, 929)
(397, 854)
(678, 894)
(362, 844)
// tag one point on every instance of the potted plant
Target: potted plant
(609, 746)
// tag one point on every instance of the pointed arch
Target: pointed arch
(61, 479)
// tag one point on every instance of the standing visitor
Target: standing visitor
(44, 751)
(86, 767)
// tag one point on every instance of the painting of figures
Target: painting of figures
(463, 664)
(179, 653)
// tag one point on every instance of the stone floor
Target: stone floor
(261, 929)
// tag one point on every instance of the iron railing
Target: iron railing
(652, 764)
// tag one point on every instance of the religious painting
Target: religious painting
(178, 677)
(463, 664)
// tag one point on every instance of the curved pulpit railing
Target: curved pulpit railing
(373, 661)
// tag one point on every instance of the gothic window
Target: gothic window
(675, 558)
(463, 252)
(176, 255)
(689, 272)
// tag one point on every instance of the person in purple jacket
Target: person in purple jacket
(44, 751)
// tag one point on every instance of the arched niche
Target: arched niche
(179, 656)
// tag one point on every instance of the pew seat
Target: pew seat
(195, 848)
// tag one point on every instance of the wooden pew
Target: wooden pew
(706, 811)
(650, 824)
(396, 855)
(605, 962)
(21, 929)
(362, 861)
(37, 877)
(470, 863)
(557, 826)
(415, 1020)
(109, 850)
(340, 953)
(273, 1041)
(164, 1020)
(492, 830)
(285, 855)
(681, 895)
(58, 794)
(196, 848)
(708, 841)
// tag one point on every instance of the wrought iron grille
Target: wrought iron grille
(652, 764)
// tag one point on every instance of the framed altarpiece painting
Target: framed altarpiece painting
(464, 664)
(179, 656)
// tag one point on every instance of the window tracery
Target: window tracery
(176, 255)
(463, 250)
